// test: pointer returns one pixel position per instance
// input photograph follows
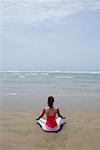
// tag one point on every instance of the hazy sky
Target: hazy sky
(50, 35)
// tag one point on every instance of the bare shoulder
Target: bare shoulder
(56, 108)
(46, 108)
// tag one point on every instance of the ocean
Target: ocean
(40, 84)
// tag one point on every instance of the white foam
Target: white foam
(32, 74)
(21, 77)
(43, 73)
(70, 95)
(13, 94)
(48, 71)
(64, 77)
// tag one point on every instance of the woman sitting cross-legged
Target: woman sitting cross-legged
(51, 123)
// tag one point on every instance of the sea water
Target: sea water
(23, 88)
(28, 81)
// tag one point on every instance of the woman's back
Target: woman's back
(51, 116)
(51, 111)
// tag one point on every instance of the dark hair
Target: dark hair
(50, 101)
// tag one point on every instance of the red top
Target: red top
(51, 120)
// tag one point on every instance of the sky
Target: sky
(50, 35)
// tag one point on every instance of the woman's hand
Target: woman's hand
(58, 112)
(63, 117)
(41, 115)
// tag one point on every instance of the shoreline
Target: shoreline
(22, 99)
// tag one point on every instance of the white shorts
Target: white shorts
(42, 123)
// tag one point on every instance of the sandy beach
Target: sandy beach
(22, 100)
(19, 131)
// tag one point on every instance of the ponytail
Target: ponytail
(50, 101)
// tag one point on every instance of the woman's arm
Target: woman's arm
(58, 112)
(43, 112)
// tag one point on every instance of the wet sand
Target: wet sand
(19, 131)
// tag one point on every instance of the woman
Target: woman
(51, 123)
